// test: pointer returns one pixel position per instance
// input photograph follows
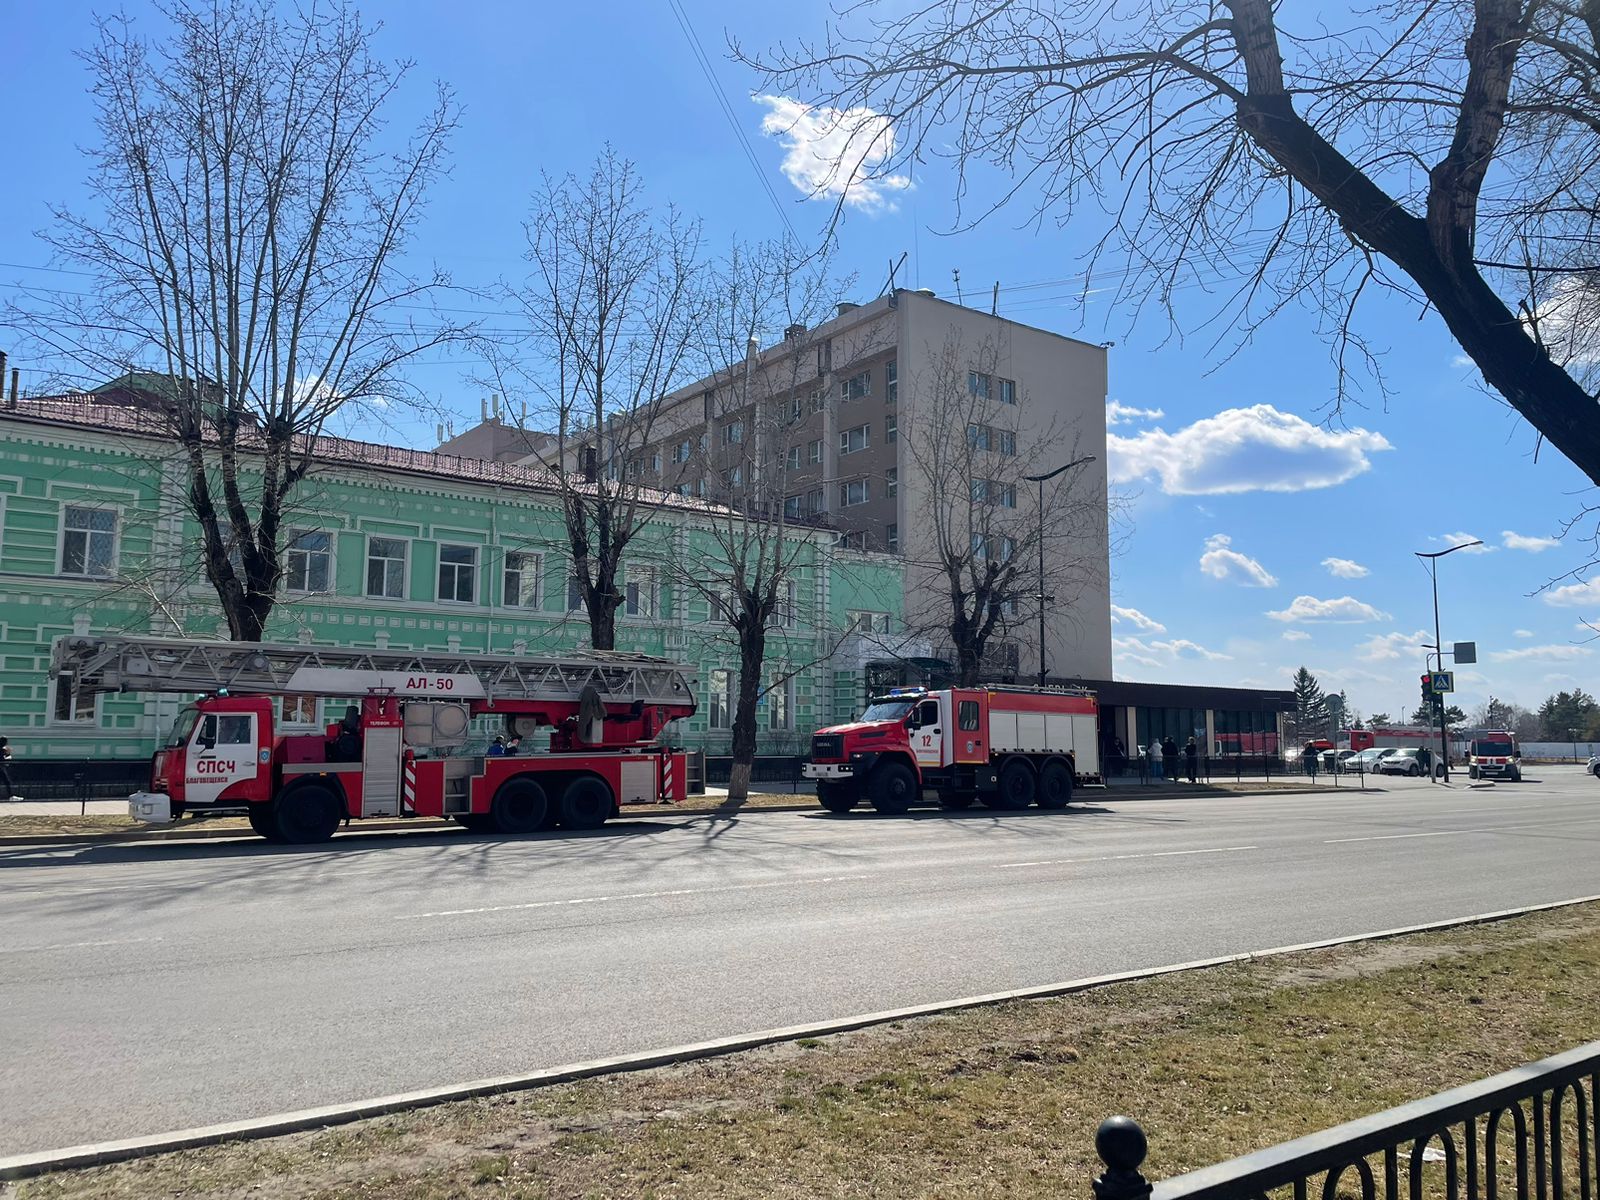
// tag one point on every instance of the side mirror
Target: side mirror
(207, 743)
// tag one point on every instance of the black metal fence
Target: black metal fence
(1225, 768)
(767, 768)
(78, 779)
(1529, 1132)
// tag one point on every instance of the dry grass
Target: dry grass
(993, 1102)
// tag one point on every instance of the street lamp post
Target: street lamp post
(1438, 642)
(1043, 599)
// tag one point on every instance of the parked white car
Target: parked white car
(1594, 765)
(1408, 762)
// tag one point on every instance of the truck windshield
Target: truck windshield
(887, 710)
(1492, 746)
(183, 726)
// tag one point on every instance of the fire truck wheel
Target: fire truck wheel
(520, 806)
(1055, 785)
(308, 814)
(476, 822)
(586, 804)
(1017, 786)
(837, 797)
(955, 800)
(893, 788)
(262, 821)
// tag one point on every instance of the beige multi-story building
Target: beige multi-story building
(848, 424)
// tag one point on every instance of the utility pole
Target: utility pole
(1041, 597)
(1438, 646)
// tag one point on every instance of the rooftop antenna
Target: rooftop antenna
(955, 274)
(994, 300)
(894, 268)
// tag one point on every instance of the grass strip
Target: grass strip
(998, 1102)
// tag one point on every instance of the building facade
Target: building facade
(387, 547)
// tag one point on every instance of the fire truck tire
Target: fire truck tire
(954, 800)
(893, 788)
(476, 822)
(520, 806)
(262, 821)
(1055, 785)
(586, 804)
(837, 797)
(1017, 786)
(310, 813)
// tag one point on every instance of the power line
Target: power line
(704, 63)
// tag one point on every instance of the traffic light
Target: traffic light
(1427, 691)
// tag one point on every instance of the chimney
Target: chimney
(793, 331)
(847, 306)
(16, 376)
(483, 411)
(751, 348)
(591, 463)
(495, 401)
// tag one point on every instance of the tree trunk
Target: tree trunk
(967, 662)
(752, 650)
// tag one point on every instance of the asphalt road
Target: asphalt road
(157, 987)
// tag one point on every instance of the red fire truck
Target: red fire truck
(1494, 754)
(398, 752)
(1005, 746)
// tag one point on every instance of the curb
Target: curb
(23, 1166)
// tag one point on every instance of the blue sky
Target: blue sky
(1236, 570)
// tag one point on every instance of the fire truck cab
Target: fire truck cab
(1007, 747)
(1494, 754)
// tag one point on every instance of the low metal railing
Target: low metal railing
(1530, 1132)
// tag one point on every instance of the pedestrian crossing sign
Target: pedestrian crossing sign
(1444, 681)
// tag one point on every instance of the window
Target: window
(866, 622)
(655, 463)
(235, 729)
(642, 595)
(797, 407)
(814, 501)
(784, 614)
(852, 440)
(733, 477)
(574, 593)
(891, 537)
(824, 357)
(854, 540)
(891, 429)
(458, 573)
(978, 384)
(780, 704)
(1000, 548)
(386, 568)
(978, 437)
(1005, 494)
(818, 398)
(854, 492)
(89, 541)
(635, 468)
(978, 491)
(682, 452)
(857, 387)
(814, 452)
(792, 458)
(793, 507)
(1007, 445)
(684, 489)
(967, 715)
(298, 710)
(891, 483)
(891, 382)
(73, 707)
(1008, 391)
(309, 561)
(719, 699)
(733, 433)
(522, 580)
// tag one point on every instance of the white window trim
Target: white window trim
(71, 723)
(333, 563)
(61, 542)
(537, 602)
(643, 578)
(366, 564)
(477, 571)
(727, 699)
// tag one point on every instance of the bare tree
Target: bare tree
(1448, 152)
(246, 225)
(759, 424)
(976, 541)
(612, 307)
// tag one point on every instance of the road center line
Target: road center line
(1059, 862)
(1393, 837)
(706, 891)
(75, 945)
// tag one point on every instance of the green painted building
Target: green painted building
(387, 547)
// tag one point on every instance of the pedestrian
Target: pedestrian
(1169, 752)
(1191, 754)
(1119, 755)
(514, 744)
(1152, 760)
(497, 747)
(1309, 757)
(6, 785)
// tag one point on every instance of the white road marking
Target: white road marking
(1394, 837)
(735, 887)
(75, 945)
(1058, 862)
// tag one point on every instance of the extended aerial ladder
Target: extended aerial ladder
(401, 750)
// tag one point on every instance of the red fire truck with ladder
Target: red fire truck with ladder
(1005, 746)
(397, 753)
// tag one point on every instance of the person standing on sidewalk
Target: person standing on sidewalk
(1309, 757)
(1191, 755)
(1169, 754)
(6, 787)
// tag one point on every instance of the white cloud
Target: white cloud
(1517, 541)
(1256, 449)
(1461, 360)
(1541, 654)
(1345, 608)
(1220, 562)
(1575, 595)
(829, 153)
(1135, 618)
(1460, 539)
(1162, 653)
(1383, 647)
(1345, 568)
(1118, 413)
(1522, 633)
(1568, 320)
(1296, 635)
